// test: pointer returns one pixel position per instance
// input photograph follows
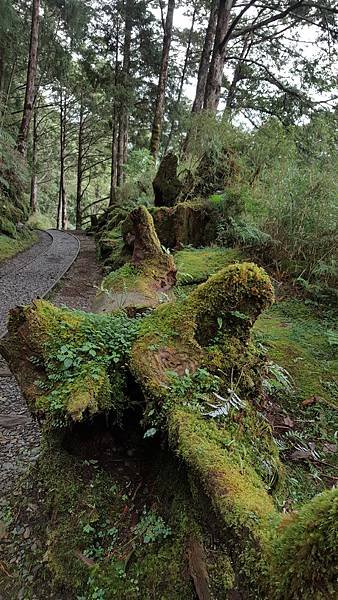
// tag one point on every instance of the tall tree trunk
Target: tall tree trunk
(34, 183)
(215, 74)
(2, 74)
(119, 162)
(205, 57)
(114, 136)
(122, 153)
(59, 210)
(182, 81)
(30, 82)
(79, 166)
(159, 106)
(113, 168)
(62, 191)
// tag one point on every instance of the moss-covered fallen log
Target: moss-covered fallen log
(198, 379)
(233, 460)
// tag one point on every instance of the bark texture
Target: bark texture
(30, 82)
(79, 166)
(34, 182)
(205, 57)
(160, 100)
(114, 134)
(122, 148)
(62, 217)
(215, 74)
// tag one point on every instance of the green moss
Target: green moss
(40, 221)
(139, 233)
(182, 335)
(10, 246)
(222, 575)
(7, 227)
(94, 544)
(300, 338)
(303, 342)
(235, 489)
(124, 278)
(164, 225)
(211, 329)
(230, 301)
(14, 204)
(196, 265)
(148, 273)
(187, 223)
(130, 286)
(71, 364)
(305, 559)
(111, 248)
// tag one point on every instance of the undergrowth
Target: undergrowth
(84, 356)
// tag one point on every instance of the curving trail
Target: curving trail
(30, 274)
(35, 272)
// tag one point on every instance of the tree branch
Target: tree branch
(272, 19)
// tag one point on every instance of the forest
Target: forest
(168, 299)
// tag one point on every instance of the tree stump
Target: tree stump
(166, 184)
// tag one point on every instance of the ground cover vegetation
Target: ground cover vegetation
(189, 424)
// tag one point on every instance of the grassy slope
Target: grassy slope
(302, 340)
(10, 246)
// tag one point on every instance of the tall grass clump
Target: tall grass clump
(295, 197)
(287, 179)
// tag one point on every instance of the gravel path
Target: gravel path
(32, 279)
(28, 275)
(15, 264)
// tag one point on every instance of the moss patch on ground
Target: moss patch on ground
(196, 265)
(103, 541)
(131, 286)
(112, 533)
(301, 338)
(10, 246)
(304, 342)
